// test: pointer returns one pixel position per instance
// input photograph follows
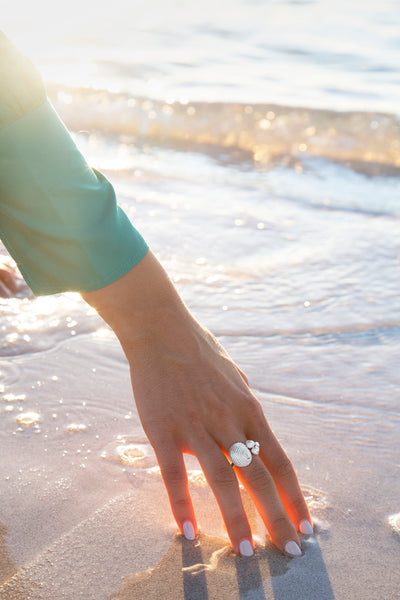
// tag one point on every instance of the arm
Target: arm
(190, 396)
(185, 386)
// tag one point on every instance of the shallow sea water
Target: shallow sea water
(280, 228)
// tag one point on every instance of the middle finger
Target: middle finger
(224, 484)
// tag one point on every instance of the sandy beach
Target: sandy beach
(84, 513)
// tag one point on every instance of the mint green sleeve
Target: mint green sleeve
(58, 217)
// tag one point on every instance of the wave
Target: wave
(266, 133)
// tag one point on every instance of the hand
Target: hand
(8, 278)
(192, 398)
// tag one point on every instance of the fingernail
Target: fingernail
(292, 549)
(188, 530)
(306, 527)
(245, 548)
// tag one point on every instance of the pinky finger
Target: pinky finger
(175, 479)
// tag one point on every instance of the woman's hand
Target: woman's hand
(8, 277)
(192, 398)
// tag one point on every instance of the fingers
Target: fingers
(285, 478)
(174, 475)
(269, 479)
(223, 482)
(275, 492)
(262, 489)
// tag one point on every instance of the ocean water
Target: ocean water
(256, 147)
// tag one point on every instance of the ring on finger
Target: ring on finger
(241, 454)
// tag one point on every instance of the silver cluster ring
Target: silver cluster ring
(241, 454)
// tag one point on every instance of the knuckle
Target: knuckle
(197, 433)
(193, 419)
(150, 428)
(244, 376)
(235, 522)
(180, 504)
(223, 476)
(155, 430)
(172, 474)
(278, 525)
(220, 413)
(254, 411)
(283, 467)
(262, 481)
(299, 504)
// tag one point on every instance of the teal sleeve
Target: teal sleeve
(58, 217)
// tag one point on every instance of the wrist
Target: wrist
(139, 305)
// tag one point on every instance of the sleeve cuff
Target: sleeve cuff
(59, 218)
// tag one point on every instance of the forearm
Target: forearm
(140, 304)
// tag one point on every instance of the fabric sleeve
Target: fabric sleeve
(21, 86)
(58, 217)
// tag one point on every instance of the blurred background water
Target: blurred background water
(294, 52)
(255, 145)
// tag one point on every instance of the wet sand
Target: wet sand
(117, 554)
(121, 553)
(84, 514)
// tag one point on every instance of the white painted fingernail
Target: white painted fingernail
(306, 527)
(292, 549)
(188, 530)
(245, 548)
